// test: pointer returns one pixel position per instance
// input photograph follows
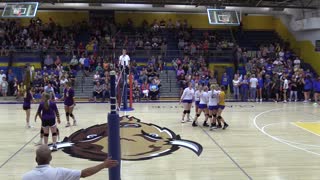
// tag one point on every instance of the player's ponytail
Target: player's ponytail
(46, 97)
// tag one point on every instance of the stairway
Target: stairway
(83, 87)
(169, 86)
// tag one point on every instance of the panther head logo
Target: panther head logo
(139, 141)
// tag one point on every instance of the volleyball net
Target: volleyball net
(124, 88)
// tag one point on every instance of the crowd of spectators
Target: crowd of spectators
(273, 72)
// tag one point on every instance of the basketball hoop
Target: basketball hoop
(225, 19)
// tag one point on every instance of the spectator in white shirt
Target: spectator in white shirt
(45, 171)
(236, 84)
(285, 88)
(2, 75)
(124, 60)
(253, 87)
(297, 63)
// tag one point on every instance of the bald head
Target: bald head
(43, 155)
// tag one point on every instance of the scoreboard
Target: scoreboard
(20, 10)
(223, 17)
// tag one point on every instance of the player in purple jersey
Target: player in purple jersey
(48, 112)
(69, 103)
(27, 99)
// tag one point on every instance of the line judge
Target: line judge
(45, 172)
(124, 60)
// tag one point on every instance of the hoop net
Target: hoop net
(224, 18)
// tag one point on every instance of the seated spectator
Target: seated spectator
(48, 62)
(38, 85)
(50, 90)
(98, 91)
(74, 63)
(157, 81)
(145, 90)
(96, 77)
(99, 68)
(57, 62)
(154, 90)
(63, 81)
(72, 77)
(136, 91)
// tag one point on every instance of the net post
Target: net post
(131, 88)
(114, 148)
(125, 88)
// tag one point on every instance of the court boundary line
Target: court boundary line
(304, 128)
(284, 140)
(19, 150)
(225, 152)
(275, 138)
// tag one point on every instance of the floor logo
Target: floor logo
(139, 141)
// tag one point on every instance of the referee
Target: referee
(124, 61)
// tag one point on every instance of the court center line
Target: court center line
(13, 155)
(225, 152)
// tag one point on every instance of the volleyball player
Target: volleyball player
(187, 98)
(48, 112)
(202, 107)
(197, 97)
(69, 103)
(213, 107)
(221, 107)
(27, 98)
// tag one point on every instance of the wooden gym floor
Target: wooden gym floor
(264, 141)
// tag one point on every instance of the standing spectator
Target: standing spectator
(236, 84)
(2, 75)
(11, 77)
(225, 81)
(244, 89)
(293, 89)
(276, 87)
(267, 87)
(260, 87)
(253, 87)
(307, 87)
(316, 88)
(285, 88)
(45, 171)
(4, 87)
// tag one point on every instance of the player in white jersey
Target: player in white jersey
(213, 105)
(202, 107)
(187, 98)
(197, 97)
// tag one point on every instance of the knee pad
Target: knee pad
(210, 116)
(185, 112)
(41, 131)
(67, 114)
(188, 112)
(214, 115)
(219, 117)
(198, 115)
(58, 132)
(207, 115)
(46, 135)
(71, 115)
(54, 134)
